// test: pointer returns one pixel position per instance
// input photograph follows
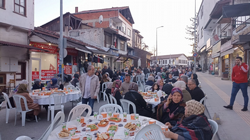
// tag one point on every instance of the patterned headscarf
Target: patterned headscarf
(116, 86)
(22, 88)
(194, 108)
(177, 90)
(133, 86)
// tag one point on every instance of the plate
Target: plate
(102, 138)
(93, 129)
(111, 126)
(112, 119)
(103, 125)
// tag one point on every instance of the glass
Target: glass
(126, 132)
(164, 128)
(82, 120)
(111, 134)
(132, 116)
(63, 125)
(104, 114)
(109, 113)
(138, 124)
(95, 115)
(116, 115)
(89, 137)
(75, 137)
(99, 117)
(137, 116)
(124, 115)
(88, 130)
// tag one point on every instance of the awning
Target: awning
(132, 57)
(236, 10)
(49, 39)
(20, 45)
(78, 47)
(82, 50)
(217, 11)
(227, 52)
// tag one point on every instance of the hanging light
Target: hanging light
(49, 43)
(104, 56)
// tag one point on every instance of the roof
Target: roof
(109, 9)
(43, 33)
(168, 56)
(143, 50)
(19, 45)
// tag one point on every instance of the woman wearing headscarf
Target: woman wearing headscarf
(52, 84)
(193, 126)
(150, 81)
(141, 106)
(37, 84)
(195, 77)
(182, 85)
(22, 90)
(75, 80)
(172, 109)
(160, 83)
(158, 76)
(115, 91)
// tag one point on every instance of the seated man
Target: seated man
(170, 79)
(195, 92)
(125, 84)
(184, 78)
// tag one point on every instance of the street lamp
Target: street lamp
(156, 44)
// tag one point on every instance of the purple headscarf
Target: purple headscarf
(177, 90)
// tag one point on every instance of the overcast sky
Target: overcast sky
(174, 15)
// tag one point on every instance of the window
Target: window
(122, 45)
(201, 32)
(108, 40)
(240, 20)
(129, 32)
(162, 61)
(169, 61)
(20, 7)
(2, 3)
(124, 28)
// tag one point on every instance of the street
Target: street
(235, 124)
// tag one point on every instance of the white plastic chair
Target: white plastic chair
(126, 105)
(106, 96)
(147, 88)
(104, 87)
(23, 138)
(55, 99)
(17, 99)
(203, 99)
(6, 98)
(214, 126)
(78, 111)
(111, 107)
(150, 132)
(112, 99)
(58, 120)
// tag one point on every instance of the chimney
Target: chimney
(76, 9)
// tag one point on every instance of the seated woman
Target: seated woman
(182, 85)
(194, 125)
(52, 84)
(141, 106)
(97, 73)
(158, 76)
(155, 87)
(195, 77)
(160, 83)
(37, 84)
(172, 109)
(115, 91)
(22, 90)
(150, 81)
(75, 80)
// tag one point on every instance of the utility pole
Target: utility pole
(156, 45)
(195, 32)
(61, 40)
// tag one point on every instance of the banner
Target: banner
(67, 69)
(35, 75)
(47, 74)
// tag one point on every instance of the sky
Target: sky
(174, 15)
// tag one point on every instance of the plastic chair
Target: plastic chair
(214, 126)
(58, 120)
(106, 96)
(150, 132)
(202, 101)
(6, 98)
(110, 107)
(23, 138)
(104, 87)
(126, 105)
(112, 99)
(17, 99)
(147, 88)
(78, 111)
(56, 99)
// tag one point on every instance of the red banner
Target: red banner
(68, 69)
(35, 75)
(47, 74)
(50, 48)
(72, 51)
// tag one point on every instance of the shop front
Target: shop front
(225, 57)
(215, 57)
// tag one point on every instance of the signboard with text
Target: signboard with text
(47, 74)
(67, 69)
(35, 75)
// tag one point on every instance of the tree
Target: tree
(191, 31)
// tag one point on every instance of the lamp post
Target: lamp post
(156, 45)
(194, 46)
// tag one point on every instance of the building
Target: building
(172, 60)
(16, 20)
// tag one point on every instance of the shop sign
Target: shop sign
(204, 48)
(226, 46)
(72, 51)
(50, 48)
(35, 75)
(67, 69)
(114, 52)
(47, 74)
(209, 44)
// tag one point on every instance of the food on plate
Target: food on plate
(83, 124)
(103, 123)
(64, 133)
(124, 120)
(115, 119)
(77, 131)
(113, 128)
(132, 133)
(92, 127)
(102, 136)
(131, 126)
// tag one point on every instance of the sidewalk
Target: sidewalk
(235, 124)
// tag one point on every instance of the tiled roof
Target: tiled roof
(103, 10)
(167, 56)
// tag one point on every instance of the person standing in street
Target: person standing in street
(240, 81)
(90, 87)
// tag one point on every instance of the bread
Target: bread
(104, 136)
(63, 134)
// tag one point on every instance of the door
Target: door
(36, 68)
(21, 71)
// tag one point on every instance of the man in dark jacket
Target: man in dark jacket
(195, 92)
(170, 79)
(110, 72)
(146, 71)
(158, 69)
(104, 70)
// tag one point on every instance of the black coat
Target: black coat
(139, 102)
(74, 81)
(150, 83)
(196, 94)
(35, 86)
(158, 69)
(110, 73)
(171, 80)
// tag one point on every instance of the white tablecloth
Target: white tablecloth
(44, 100)
(118, 135)
(153, 102)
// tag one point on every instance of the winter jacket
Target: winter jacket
(240, 73)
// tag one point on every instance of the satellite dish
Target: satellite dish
(100, 19)
(65, 53)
